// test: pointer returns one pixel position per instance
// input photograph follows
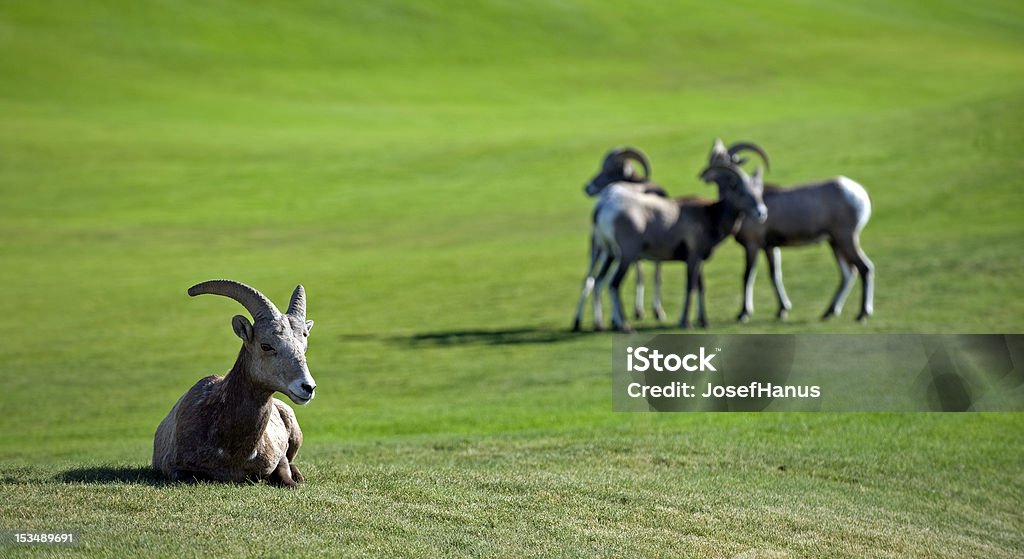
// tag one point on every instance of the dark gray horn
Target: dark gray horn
(638, 156)
(735, 171)
(297, 306)
(750, 146)
(255, 302)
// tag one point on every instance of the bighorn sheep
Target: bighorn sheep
(617, 167)
(230, 428)
(835, 208)
(629, 225)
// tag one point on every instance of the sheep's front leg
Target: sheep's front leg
(749, 273)
(691, 284)
(189, 476)
(774, 255)
(702, 319)
(283, 475)
(618, 315)
(659, 311)
(296, 474)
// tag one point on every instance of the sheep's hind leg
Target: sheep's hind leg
(599, 280)
(866, 269)
(638, 301)
(845, 283)
(588, 286)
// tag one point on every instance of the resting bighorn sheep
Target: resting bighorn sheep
(230, 428)
(617, 167)
(836, 209)
(629, 225)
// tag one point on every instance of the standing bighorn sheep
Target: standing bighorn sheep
(617, 167)
(836, 209)
(230, 428)
(630, 225)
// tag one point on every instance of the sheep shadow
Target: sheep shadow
(511, 336)
(137, 475)
(505, 336)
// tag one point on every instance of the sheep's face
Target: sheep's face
(277, 348)
(740, 190)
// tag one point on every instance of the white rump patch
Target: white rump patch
(858, 198)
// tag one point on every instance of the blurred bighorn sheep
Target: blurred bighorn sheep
(837, 209)
(230, 428)
(630, 225)
(617, 167)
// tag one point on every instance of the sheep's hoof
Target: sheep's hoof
(863, 317)
(703, 324)
(659, 313)
(684, 324)
(744, 316)
(576, 325)
(828, 314)
(296, 474)
(285, 480)
(625, 328)
(639, 313)
(783, 314)
(598, 327)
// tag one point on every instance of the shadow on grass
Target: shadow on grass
(507, 336)
(141, 475)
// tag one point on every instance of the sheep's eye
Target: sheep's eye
(266, 347)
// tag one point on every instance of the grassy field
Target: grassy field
(419, 166)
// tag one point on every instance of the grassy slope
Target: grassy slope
(419, 169)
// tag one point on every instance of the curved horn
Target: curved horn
(635, 154)
(255, 302)
(737, 172)
(297, 306)
(751, 146)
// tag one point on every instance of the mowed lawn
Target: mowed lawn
(419, 166)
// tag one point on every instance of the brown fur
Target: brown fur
(229, 429)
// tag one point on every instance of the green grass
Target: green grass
(419, 168)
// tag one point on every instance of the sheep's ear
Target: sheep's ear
(758, 176)
(309, 325)
(719, 147)
(242, 327)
